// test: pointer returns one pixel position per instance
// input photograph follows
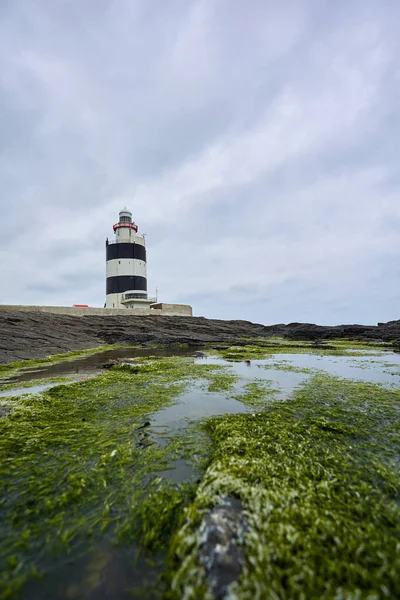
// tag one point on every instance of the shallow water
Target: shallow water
(103, 573)
(36, 389)
(287, 371)
(283, 381)
(192, 406)
(372, 369)
(175, 420)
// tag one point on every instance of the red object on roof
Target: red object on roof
(81, 305)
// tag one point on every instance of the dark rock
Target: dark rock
(37, 335)
(220, 552)
(146, 424)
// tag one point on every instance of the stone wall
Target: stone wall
(182, 310)
(171, 310)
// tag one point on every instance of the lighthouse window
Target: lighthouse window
(125, 220)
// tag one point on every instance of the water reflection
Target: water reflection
(373, 369)
(193, 405)
(36, 389)
(93, 362)
(287, 371)
(103, 572)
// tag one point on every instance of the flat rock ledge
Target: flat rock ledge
(26, 336)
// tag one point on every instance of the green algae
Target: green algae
(317, 476)
(285, 365)
(77, 465)
(258, 393)
(362, 344)
(345, 343)
(221, 382)
(241, 353)
(319, 481)
(267, 349)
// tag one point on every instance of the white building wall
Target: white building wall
(169, 310)
(124, 234)
(113, 301)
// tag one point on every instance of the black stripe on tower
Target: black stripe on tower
(124, 283)
(125, 250)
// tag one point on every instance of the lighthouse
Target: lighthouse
(126, 269)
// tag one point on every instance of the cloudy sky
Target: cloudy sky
(257, 144)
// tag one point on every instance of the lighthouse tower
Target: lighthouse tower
(126, 270)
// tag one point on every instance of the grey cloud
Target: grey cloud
(51, 289)
(256, 146)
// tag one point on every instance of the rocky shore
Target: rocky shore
(36, 335)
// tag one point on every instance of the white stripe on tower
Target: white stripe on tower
(126, 266)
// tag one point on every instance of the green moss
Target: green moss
(318, 480)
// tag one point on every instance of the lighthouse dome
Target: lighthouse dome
(125, 216)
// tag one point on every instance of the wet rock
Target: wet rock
(144, 441)
(109, 364)
(36, 335)
(220, 551)
(142, 436)
(146, 424)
